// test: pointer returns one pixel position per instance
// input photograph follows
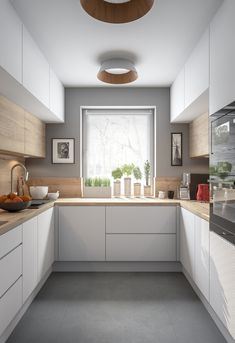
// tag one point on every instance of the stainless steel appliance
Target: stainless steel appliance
(189, 185)
(222, 173)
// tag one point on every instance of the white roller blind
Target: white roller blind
(113, 137)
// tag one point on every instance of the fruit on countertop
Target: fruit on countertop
(13, 198)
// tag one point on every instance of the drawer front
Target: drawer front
(148, 247)
(141, 219)
(10, 304)
(10, 240)
(10, 269)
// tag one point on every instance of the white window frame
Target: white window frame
(153, 108)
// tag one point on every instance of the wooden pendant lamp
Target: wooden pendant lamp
(117, 11)
(117, 71)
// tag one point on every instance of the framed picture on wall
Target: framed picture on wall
(176, 149)
(63, 150)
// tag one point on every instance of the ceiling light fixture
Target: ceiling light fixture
(117, 71)
(117, 11)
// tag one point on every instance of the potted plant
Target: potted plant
(137, 185)
(127, 170)
(97, 188)
(147, 187)
(117, 175)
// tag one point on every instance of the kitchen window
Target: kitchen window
(111, 137)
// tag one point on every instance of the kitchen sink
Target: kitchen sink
(3, 222)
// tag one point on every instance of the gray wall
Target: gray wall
(76, 97)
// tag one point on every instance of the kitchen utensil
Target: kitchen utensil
(53, 196)
(170, 194)
(161, 195)
(38, 192)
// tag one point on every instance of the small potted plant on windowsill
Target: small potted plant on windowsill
(147, 187)
(127, 170)
(97, 188)
(137, 185)
(117, 175)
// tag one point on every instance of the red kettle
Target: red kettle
(203, 192)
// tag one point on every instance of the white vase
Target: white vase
(127, 186)
(147, 191)
(117, 188)
(137, 189)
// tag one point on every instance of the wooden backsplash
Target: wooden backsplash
(6, 162)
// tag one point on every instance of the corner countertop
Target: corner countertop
(17, 218)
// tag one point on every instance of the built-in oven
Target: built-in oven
(222, 172)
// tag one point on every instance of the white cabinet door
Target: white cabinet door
(10, 304)
(222, 280)
(29, 257)
(141, 219)
(10, 240)
(10, 40)
(142, 247)
(187, 237)
(222, 57)
(36, 71)
(201, 275)
(197, 71)
(82, 233)
(56, 96)
(178, 96)
(45, 239)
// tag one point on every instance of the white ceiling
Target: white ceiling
(75, 44)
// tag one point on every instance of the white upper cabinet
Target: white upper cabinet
(36, 70)
(56, 96)
(197, 71)
(10, 40)
(222, 57)
(177, 96)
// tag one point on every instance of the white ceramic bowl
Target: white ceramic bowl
(38, 192)
(53, 196)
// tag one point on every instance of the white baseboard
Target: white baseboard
(209, 309)
(117, 267)
(6, 334)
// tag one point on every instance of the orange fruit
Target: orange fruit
(17, 199)
(25, 198)
(3, 198)
(12, 196)
(7, 201)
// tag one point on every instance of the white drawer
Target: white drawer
(10, 240)
(150, 247)
(141, 219)
(10, 269)
(10, 304)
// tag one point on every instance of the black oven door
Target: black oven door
(222, 168)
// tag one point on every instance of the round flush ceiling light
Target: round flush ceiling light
(117, 71)
(117, 11)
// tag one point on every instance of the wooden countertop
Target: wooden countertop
(14, 219)
(17, 218)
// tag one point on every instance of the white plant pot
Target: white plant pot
(137, 189)
(127, 186)
(97, 192)
(147, 191)
(117, 188)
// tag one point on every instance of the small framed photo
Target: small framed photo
(176, 149)
(63, 150)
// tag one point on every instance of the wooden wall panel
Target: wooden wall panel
(199, 136)
(12, 127)
(35, 136)
(166, 184)
(6, 162)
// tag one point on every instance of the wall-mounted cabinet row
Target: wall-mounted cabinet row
(26, 76)
(26, 255)
(117, 233)
(20, 131)
(206, 81)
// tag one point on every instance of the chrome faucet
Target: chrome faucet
(26, 173)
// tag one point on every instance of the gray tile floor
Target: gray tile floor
(116, 308)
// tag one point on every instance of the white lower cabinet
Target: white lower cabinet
(187, 238)
(82, 233)
(222, 280)
(30, 276)
(141, 247)
(202, 259)
(10, 304)
(45, 246)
